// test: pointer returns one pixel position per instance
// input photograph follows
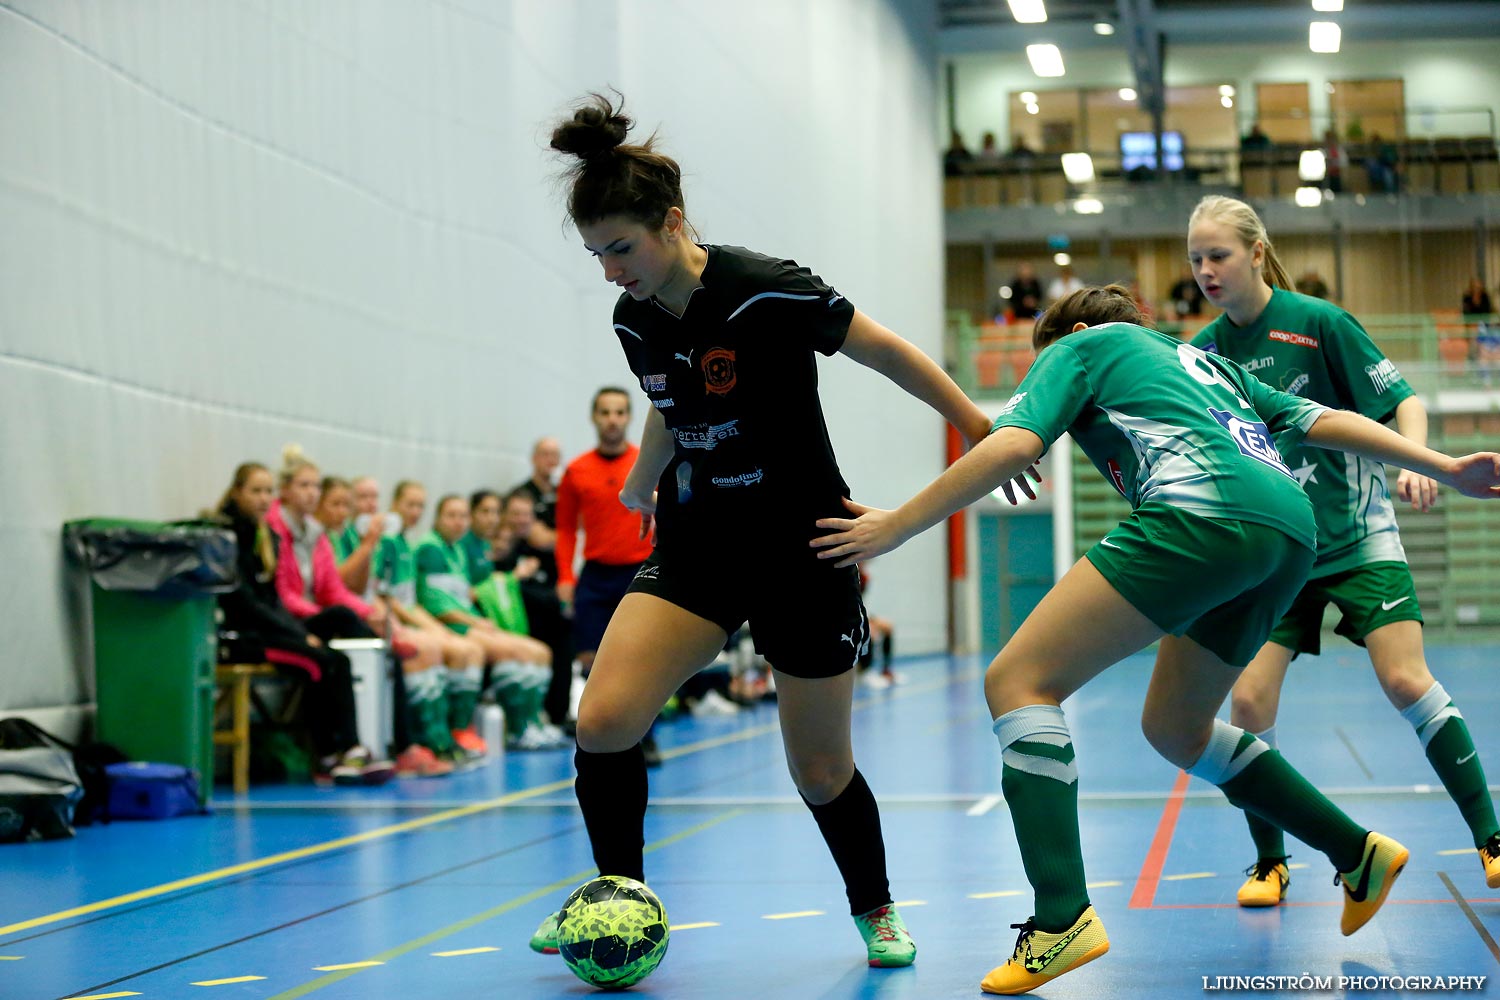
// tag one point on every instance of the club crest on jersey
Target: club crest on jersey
(1253, 438)
(653, 383)
(718, 370)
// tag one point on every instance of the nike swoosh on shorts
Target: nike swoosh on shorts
(1388, 605)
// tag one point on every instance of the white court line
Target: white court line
(984, 805)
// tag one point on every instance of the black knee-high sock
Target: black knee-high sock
(851, 827)
(885, 650)
(611, 790)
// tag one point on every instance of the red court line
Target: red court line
(1144, 896)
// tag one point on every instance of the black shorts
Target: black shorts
(805, 616)
(600, 589)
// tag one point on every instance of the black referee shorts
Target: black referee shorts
(805, 615)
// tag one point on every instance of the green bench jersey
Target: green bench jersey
(478, 552)
(344, 541)
(1316, 350)
(396, 570)
(443, 576)
(1165, 422)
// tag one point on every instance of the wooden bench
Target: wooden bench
(234, 699)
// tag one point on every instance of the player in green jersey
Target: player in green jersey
(1316, 350)
(1187, 438)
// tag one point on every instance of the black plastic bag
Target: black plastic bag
(178, 559)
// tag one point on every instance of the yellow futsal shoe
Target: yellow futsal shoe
(1489, 856)
(1267, 884)
(1041, 957)
(1366, 887)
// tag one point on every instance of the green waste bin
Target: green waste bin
(155, 635)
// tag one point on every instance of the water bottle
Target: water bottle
(489, 723)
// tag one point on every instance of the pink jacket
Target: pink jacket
(328, 587)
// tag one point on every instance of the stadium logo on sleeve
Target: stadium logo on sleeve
(1300, 339)
(1253, 438)
(1011, 404)
(1383, 375)
(718, 371)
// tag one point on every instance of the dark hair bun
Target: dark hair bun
(596, 129)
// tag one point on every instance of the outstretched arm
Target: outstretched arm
(996, 460)
(1476, 475)
(873, 346)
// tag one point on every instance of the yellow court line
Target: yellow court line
(346, 965)
(418, 823)
(228, 982)
(106, 996)
(1179, 878)
(567, 882)
(692, 927)
(1299, 864)
(463, 951)
(285, 856)
(1101, 885)
(994, 895)
(793, 916)
(1466, 850)
(910, 902)
(11, 958)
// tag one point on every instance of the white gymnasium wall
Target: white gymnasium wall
(230, 225)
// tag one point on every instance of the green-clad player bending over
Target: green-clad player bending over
(1218, 544)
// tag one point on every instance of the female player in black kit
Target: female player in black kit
(735, 466)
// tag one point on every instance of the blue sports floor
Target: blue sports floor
(430, 889)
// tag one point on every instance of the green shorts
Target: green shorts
(1367, 596)
(1223, 584)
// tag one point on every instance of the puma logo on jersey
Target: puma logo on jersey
(835, 300)
(848, 637)
(1388, 605)
(686, 358)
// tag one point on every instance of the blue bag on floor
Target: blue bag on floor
(141, 790)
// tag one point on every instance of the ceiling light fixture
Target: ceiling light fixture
(1104, 28)
(1046, 59)
(1323, 36)
(1127, 93)
(1328, 6)
(1028, 11)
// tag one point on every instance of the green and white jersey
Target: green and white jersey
(443, 576)
(344, 541)
(395, 570)
(1165, 422)
(478, 552)
(1316, 350)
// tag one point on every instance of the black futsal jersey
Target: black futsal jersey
(736, 379)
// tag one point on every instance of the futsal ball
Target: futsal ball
(612, 932)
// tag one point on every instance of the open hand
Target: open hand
(871, 532)
(1476, 475)
(1417, 488)
(1020, 483)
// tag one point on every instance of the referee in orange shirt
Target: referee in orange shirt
(614, 545)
